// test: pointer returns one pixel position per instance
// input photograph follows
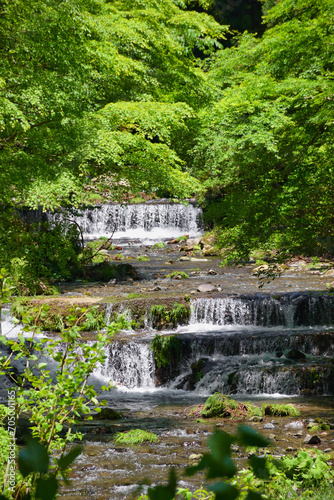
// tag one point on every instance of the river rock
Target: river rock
(184, 258)
(193, 241)
(312, 439)
(269, 426)
(195, 456)
(256, 418)
(295, 354)
(296, 424)
(207, 243)
(195, 259)
(212, 272)
(263, 267)
(206, 288)
(172, 242)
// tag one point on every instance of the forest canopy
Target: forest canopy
(132, 96)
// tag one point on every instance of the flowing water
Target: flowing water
(138, 223)
(259, 346)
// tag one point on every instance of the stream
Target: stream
(264, 346)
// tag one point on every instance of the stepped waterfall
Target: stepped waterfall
(242, 345)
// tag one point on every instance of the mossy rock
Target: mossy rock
(277, 410)
(219, 406)
(107, 414)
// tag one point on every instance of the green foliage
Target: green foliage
(166, 350)
(277, 410)
(177, 273)
(162, 316)
(53, 404)
(135, 436)
(307, 470)
(99, 90)
(182, 238)
(35, 254)
(159, 246)
(55, 318)
(268, 139)
(264, 478)
(143, 258)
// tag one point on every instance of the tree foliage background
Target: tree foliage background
(130, 96)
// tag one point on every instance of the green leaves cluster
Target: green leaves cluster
(54, 403)
(99, 90)
(268, 140)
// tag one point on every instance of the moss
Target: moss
(143, 258)
(108, 414)
(159, 246)
(132, 296)
(162, 316)
(182, 274)
(221, 406)
(135, 436)
(166, 350)
(284, 410)
(137, 199)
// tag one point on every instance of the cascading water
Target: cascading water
(129, 365)
(288, 310)
(246, 344)
(144, 221)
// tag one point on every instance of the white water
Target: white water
(146, 223)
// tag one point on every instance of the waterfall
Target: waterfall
(128, 364)
(138, 221)
(288, 310)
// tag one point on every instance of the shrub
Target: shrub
(135, 436)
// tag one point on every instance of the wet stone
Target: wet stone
(206, 288)
(269, 426)
(297, 424)
(312, 439)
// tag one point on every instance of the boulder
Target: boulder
(193, 241)
(207, 243)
